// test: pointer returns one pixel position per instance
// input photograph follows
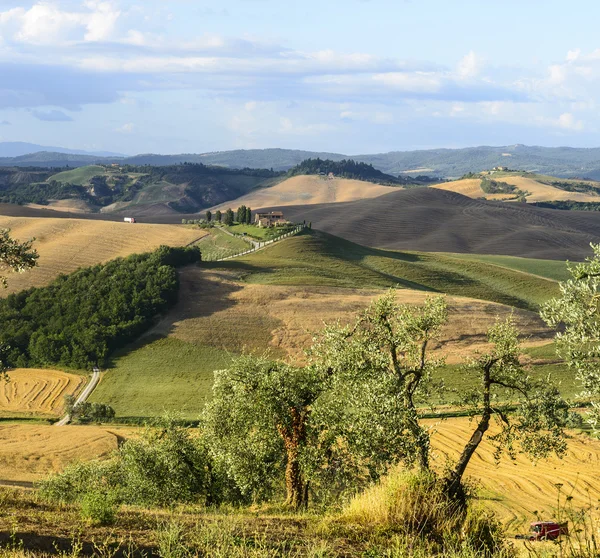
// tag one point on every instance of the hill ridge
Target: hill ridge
(431, 220)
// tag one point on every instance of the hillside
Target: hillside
(141, 190)
(432, 220)
(514, 186)
(308, 190)
(65, 245)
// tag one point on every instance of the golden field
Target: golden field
(30, 452)
(65, 245)
(516, 490)
(37, 392)
(538, 192)
(309, 190)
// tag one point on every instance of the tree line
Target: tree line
(80, 319)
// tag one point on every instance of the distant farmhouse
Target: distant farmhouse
(269, 219)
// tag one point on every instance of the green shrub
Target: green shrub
(99, 508)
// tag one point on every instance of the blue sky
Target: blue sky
(352, 76)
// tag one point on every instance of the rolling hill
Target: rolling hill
(533, 187)
(309, 190)
(433, 220)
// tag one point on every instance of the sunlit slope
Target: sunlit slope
(433, 220)
(320, 259)
(65, 245)
(536, 188)
(309, 190)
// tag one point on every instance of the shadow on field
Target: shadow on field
(65, 546)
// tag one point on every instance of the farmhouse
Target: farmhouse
(269, 219)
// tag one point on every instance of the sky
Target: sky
(346, 76)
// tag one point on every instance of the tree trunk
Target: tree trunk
(453, 481)
(419, 435)
(296, 488)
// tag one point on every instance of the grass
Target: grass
(316, 258)
(256, 232)
(80, 176)
(220, 245)
(555, 270)
(159, 375)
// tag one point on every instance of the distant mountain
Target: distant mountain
(450, 163)
(20, 148)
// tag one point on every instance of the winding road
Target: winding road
(82, 396)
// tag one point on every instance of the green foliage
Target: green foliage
(80, 319)
(577, 313)
(15, 256)
(490, 186)
(570, 205)
(256, 425)
(209, 216)
(99, 508)
(218, 216)
(165, 465)
(344, 169)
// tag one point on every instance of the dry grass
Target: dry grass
(35, 392)
(65, 245)
(30, 452)
(68, 205)
(309, 190)
(539, 192)
(468, 187)
(216, 310)
(543, 192)
(515, 490)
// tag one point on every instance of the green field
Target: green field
(220, 245)
(161, 375)
(257, 232)
(550, 269)
(316, 258)
(80, 176)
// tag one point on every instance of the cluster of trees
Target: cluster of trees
(81, 318)
(490, 186)
(244, 215)
(88, 412)
(347, 168)
(583, 187)
(569, 205)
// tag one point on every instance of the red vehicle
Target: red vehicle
(547, 530)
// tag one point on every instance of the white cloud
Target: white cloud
(45, 23)
(470, 66)
(128, 128)
(568, 122)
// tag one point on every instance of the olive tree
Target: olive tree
(15, 257)
(577, 312)
(533, 423)
(386, 348)
(257, 424)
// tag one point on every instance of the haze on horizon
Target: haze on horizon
(358, 76)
